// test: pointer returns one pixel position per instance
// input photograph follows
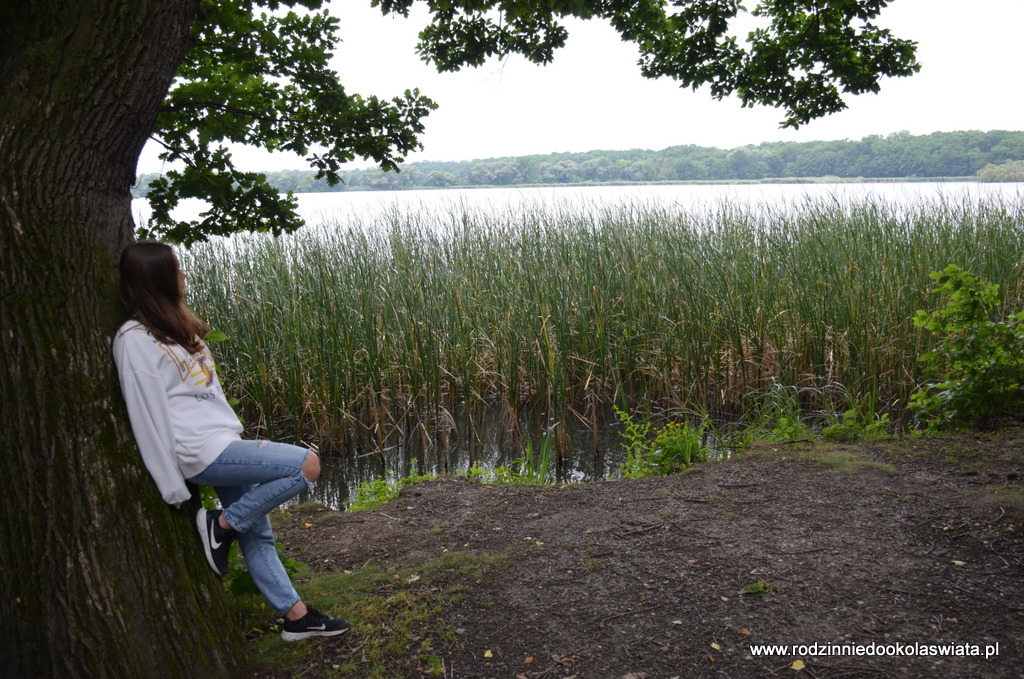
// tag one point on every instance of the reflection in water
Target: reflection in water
(592, 455)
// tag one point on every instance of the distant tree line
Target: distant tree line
(988, 156)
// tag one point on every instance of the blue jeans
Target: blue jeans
(251, 478)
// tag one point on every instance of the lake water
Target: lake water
(367, 206)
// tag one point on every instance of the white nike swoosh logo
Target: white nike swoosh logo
(320, 627)
(213, 541)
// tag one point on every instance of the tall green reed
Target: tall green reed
(408, 329)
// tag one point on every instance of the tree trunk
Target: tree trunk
(98, 577)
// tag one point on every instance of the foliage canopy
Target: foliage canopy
(258, 73)
(265, 80)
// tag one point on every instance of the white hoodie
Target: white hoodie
(179, 414)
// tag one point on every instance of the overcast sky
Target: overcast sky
(593, 98)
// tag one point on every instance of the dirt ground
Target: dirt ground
(913, 543)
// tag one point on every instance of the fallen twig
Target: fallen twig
(636, 612)
(1002, 513)
(643, 530)
(803, 551)
(558, 661)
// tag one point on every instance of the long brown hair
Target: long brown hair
(152, 293)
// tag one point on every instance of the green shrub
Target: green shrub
(634, 435)
(777, 417)
(977, 367)
(790, 428)
(679, 445)
(674, 448)
(854, 426)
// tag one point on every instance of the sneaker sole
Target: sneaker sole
(204, 535)
(299, 636)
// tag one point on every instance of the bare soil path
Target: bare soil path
(914, 542)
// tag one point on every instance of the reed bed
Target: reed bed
(411, 329)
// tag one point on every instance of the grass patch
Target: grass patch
(845, 461)
(834, 457)
(398, 627)
(1010, 496)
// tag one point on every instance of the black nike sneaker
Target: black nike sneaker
(216, 540)
(313, 624)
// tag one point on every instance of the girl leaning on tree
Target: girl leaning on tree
(187, 432)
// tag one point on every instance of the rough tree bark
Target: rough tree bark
(98, 578)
